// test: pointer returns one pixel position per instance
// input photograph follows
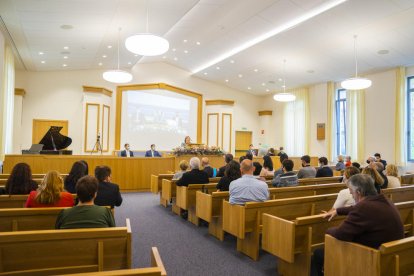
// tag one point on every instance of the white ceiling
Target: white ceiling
(317, 50)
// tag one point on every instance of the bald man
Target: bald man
(247, 188)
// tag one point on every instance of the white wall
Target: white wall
(318, 110)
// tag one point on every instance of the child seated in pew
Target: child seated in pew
(86, 214)
(20, 181)
(50, 193)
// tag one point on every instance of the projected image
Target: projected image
(157, 117)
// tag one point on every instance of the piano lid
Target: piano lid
(53, 140)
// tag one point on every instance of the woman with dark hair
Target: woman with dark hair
(231, 173)
(267, 169)
(86, 165)
(78, 171)
(20, 181)
(257, 168)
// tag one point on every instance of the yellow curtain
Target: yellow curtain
(330, 128)
(400, 118)
(7, 104)
(296, 123)
(355, 133)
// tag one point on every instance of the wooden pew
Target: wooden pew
(157, 269)
(16, 201)
(156, 184)
(405, 193)
(319, 180)
(407, 179)
(186, 198)
(293, 241)
(209, 206)
(35, 175)
(244, 221)
(65, 251)
(37, 180)
(391, 259)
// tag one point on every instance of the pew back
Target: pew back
(400, 194)
(156, 181)
(16, 201)
(319, 180)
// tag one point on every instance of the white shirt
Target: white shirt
(344, 199)
(393, 182)
(127, 153)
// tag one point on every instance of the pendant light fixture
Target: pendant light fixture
(117, 76)
(284, 96)
(356, 83)
(147, 44)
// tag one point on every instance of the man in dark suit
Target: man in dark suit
(126, 152)
(195, 176)
(227, 158)
(251, 150)
(152, 152)
(108, 193)
(211, 172)
(324, 170)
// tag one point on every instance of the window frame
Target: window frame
(338, 102)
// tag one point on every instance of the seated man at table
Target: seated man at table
(195, 176)
(152, 152)
(288, 177)
(247, 188)
(85, 214)
(372, 221)
(108, 193)
(127, 152)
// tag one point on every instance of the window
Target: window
(340, 109)
(410, 114)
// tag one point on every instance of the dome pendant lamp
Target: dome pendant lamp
(356, 83)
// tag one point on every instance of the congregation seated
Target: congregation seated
(247, 188)
(363, 223)
(380, 169)
(227, 158)
(348, 161)
(324, 170)
(378, 180)
(241, 158)
(282, 157)
(267, 169)
(340, 165)
(195, 176)
(249, 156)
(378, 159)
(77, 171)
(20, 181)
(183, 166)
(271, 152)
(108, 193)
(391, 172)
(345, 198)
(288, 178)
(356, 165)
(231, 173)
(306, 171)
(205, 163)
(50, 193)
(86, 214)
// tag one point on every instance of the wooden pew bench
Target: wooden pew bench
(157, 269)
(244, 221)
(209, 206)
(156, 184)
(293, 241)
(35, 175)
(37, 180)
(391, 259)
(16, 201)
(51, 252)
(319, 180)
(405, 193)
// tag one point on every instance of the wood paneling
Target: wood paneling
(219, 102)
(265, 112)
(101, 90)
(41, 126)
(19, 92)
(243, 141)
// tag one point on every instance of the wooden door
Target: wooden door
(40, 127)
(243, 141)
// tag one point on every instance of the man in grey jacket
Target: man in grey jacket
(306, 171)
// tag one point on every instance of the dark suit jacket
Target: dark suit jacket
(209, 170)
(123, 153)
(148, 153)
(108, 195)
(371, 222)
(194, 176)
(324, 172)
(221, 171)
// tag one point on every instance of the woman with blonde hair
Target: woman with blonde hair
(50, 193)
(378, 180)
(392, 175)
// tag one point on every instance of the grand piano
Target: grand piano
(55, 143)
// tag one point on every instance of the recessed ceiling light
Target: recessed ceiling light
(240, 76)
(256, 70)
(205, 73)
(231, 61)
(66, 27)
(64, 65)
(218, 67)
(100, 63)
(65, 47)
(383, 52)
(185, 52)
(198, 43)
(129, 63)
(226, 80)
(325, 6)
(41, 53)
(267, 90)
(280, 79)
(249, 88)
(185, 40)
(109, 46)
(104, 56)
(43, 61)
(263, 84)
(164, 57)
(283, 86)
(175, 58)
(174, 49)
(65, 57)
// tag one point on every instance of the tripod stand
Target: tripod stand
(97, 146)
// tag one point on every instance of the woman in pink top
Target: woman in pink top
(50, 193)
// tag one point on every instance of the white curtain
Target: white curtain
(7, 104)
(355, 133)
(296, 123)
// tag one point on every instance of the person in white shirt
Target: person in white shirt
(126, 152)
(392, 174)
(345, 198)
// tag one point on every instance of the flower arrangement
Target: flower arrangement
(197, 150)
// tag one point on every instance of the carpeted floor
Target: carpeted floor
(184, 248)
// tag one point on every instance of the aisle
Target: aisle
(185, 249)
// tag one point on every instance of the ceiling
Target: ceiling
(218, 35)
